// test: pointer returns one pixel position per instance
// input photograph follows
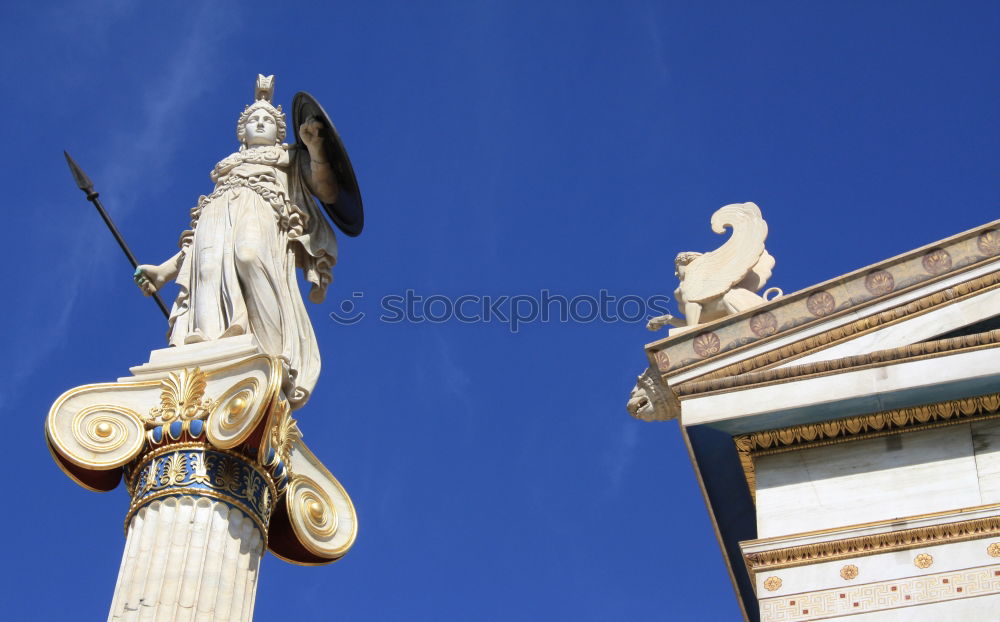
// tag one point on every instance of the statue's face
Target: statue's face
(261, 129)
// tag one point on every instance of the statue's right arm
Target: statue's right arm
(151, 278)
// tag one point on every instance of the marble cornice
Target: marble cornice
(831, 301)
(872, 544)
(857, 328)
(927, 349)
(860, 427)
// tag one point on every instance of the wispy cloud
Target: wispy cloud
(656, 40)
(142, 154)
(456, 379)
(619, 455)
(30, 358)
(96, 19)
(137, 156)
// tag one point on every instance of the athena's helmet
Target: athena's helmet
(263, 92)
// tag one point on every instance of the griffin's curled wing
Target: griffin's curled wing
(713, 274)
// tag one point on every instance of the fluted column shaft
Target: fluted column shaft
(188, 558)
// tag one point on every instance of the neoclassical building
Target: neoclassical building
(846, 437)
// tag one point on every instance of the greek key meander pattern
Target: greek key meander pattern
(192, 468)
(883, 595)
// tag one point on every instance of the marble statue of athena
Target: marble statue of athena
(236, 269)
(203, 434)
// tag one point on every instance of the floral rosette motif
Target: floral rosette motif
(764, 324)
(706, 345)
(879, 282)
(937, 261)
(821, 303)
(989, 242)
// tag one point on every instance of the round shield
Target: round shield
(347, 212)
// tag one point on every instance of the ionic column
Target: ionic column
(217, 472)
(197, 528)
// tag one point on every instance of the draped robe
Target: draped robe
(238, 269)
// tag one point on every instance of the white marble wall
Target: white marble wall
(835, 490)
(188, 559)
(986, 444)
(873, 480)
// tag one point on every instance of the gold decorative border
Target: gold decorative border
(862, 546)
(915, 351)
(854, 329)
(142, 461)
(860, 427)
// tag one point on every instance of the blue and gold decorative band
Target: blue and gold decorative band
(198, 469)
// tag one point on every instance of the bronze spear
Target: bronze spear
(84, 183)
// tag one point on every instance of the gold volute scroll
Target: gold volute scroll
(241, 408)
(98, 436)
(319, 512)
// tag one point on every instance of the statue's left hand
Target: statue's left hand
(311, 133)
(321, 178)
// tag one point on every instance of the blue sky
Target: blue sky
(502, 148)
